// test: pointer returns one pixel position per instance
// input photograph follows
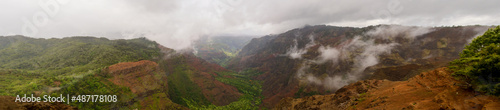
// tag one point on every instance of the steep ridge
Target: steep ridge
(434, 89)
(321, 59)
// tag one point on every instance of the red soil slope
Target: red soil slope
(430, 90)
(138, 76)
(145, 79)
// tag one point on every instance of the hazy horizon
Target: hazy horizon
(177, 23)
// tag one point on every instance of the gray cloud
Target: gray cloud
(175, 23)
(327, 54)
(391, 31)
(295, 53)
(364, 53)
(367, 57)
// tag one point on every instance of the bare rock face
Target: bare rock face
(432, 90)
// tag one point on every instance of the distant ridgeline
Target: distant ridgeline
(76, 53)
(220, 49)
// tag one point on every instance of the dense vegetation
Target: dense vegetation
(479, 63)
(181, 88)
(98, 85)
(251, 89)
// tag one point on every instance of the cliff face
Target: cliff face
(321, 59)
(435, 89)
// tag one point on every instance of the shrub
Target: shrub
(479, 63)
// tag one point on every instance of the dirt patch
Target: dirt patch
(146, 80)
(139, 76)
(57, 83)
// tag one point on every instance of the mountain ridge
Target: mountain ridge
(320, 59)
(267, 72)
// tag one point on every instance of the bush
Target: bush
(479, 63)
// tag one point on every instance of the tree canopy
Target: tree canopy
(479, 63)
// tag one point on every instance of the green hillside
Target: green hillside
(34, 65)
(82, 66)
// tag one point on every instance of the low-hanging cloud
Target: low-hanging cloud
(327, 54)
(480, 31)
(391, 31)
(369, 56)
(295, 52)
(364, 53)
(176, 23)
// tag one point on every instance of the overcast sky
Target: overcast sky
(175, 23)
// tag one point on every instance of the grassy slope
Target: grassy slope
(41, 66)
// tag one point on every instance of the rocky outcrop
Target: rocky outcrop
(431, 90)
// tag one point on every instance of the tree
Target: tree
(479, 63)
